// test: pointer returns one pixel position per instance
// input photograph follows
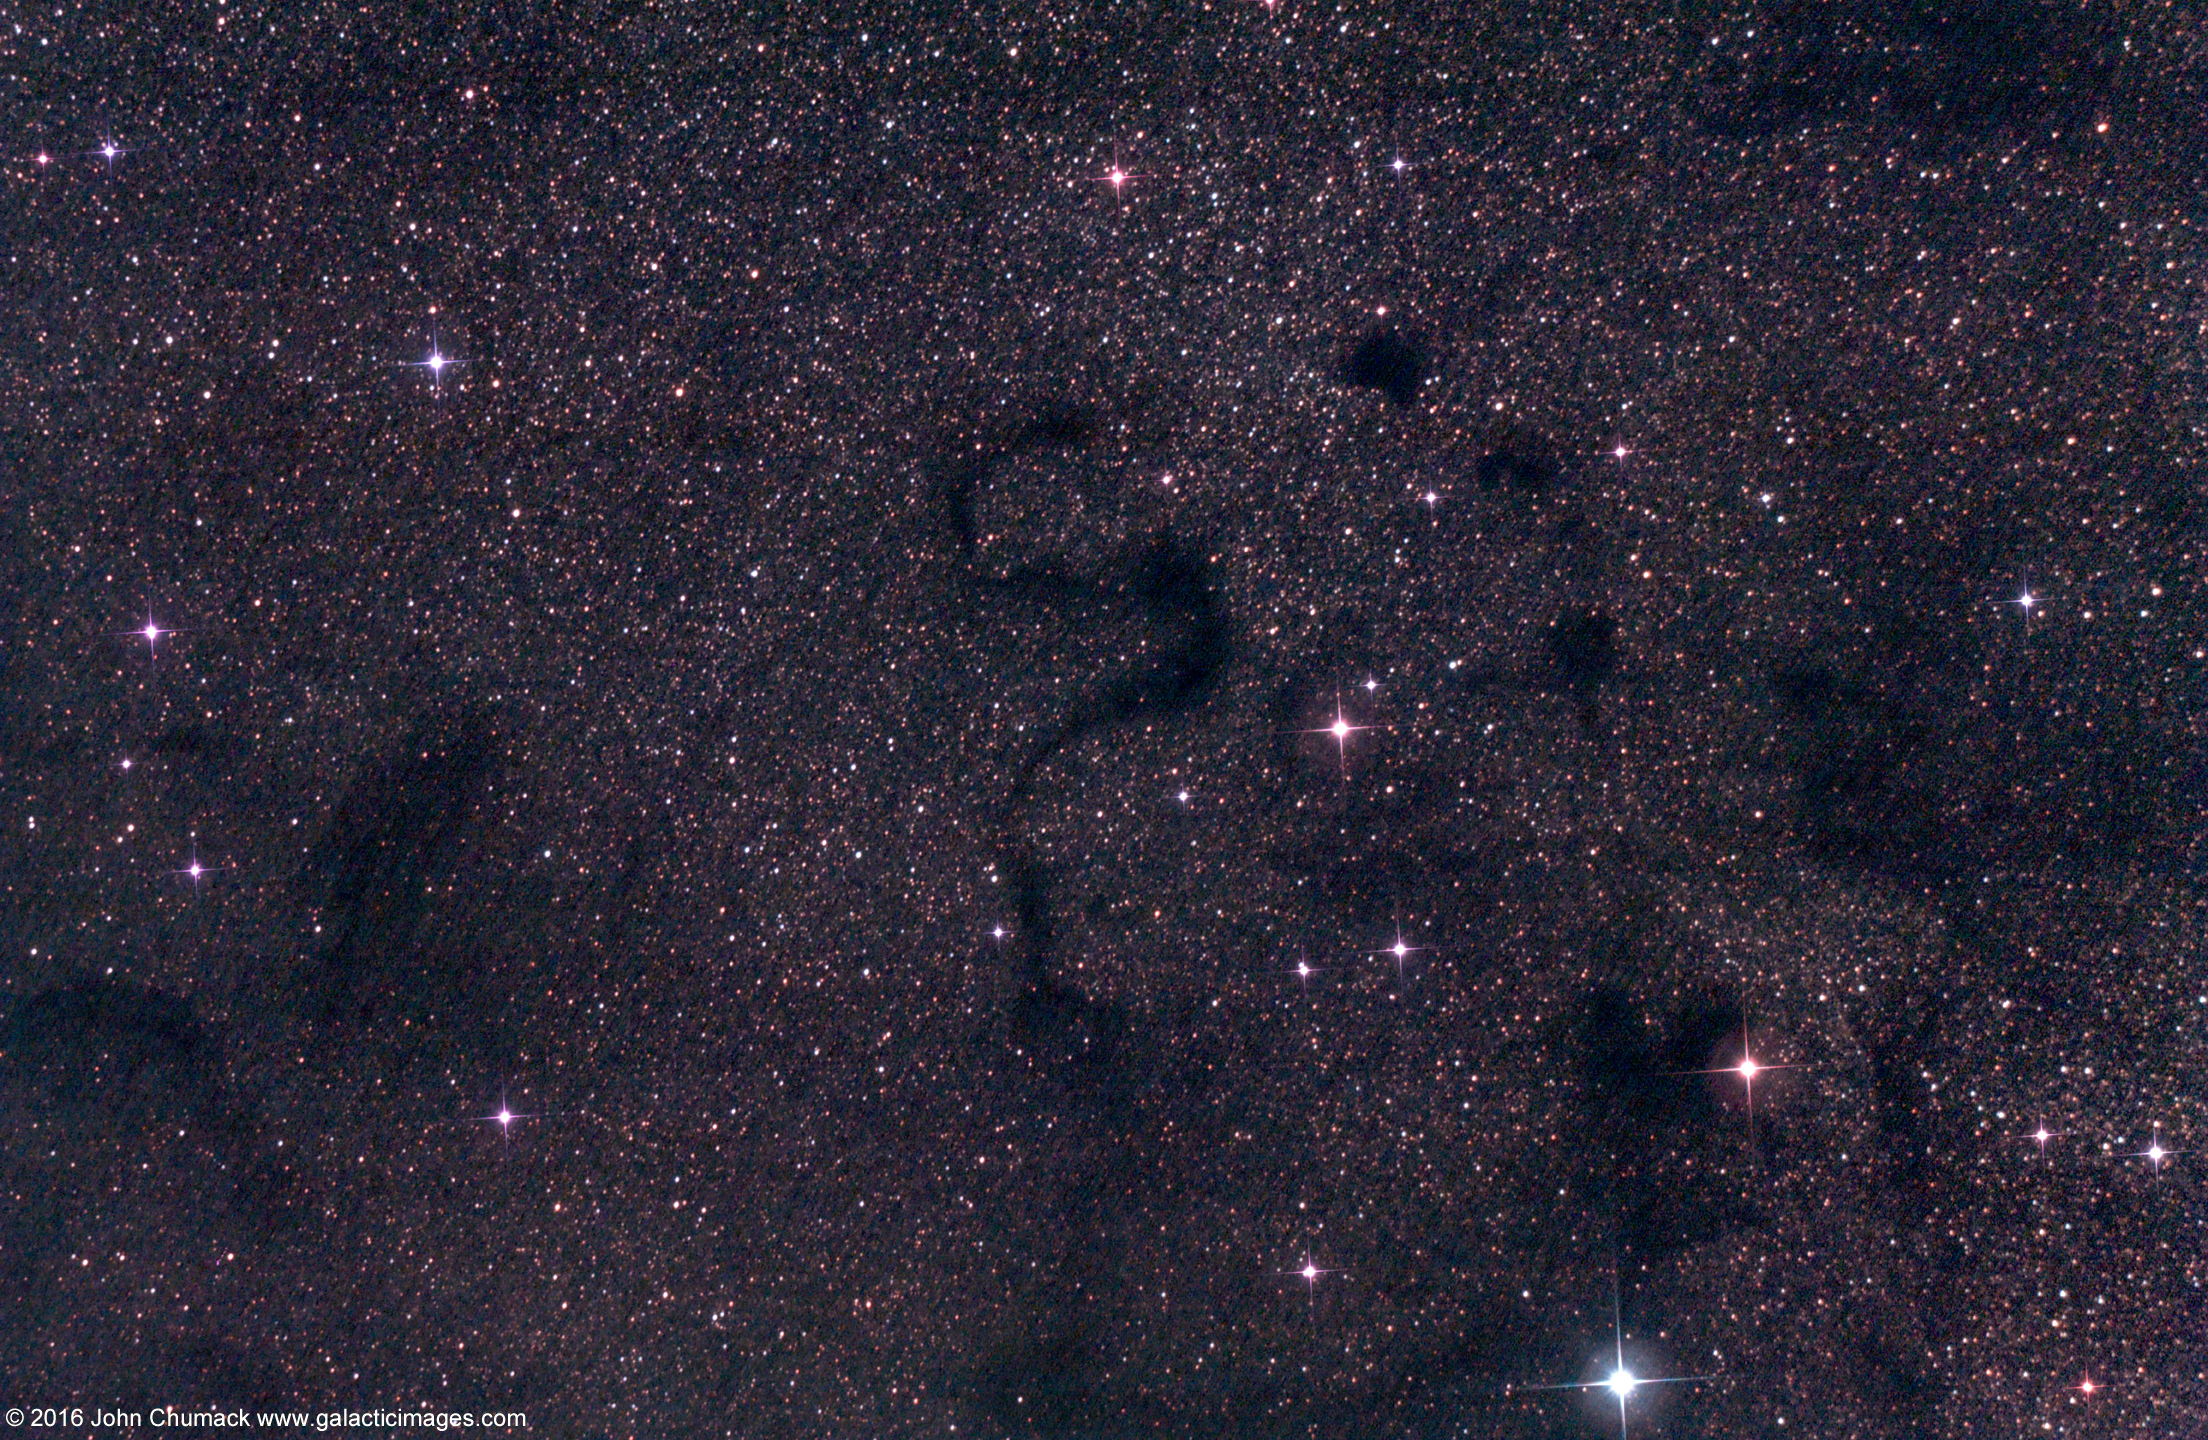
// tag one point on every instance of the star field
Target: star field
(1245, 718)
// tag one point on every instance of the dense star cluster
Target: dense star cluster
(1260, 718)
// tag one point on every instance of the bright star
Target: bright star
(1340, 729)
(1309, 1274)
(504, 1116)
(1620, 452)
(1748, 1067)
(1398, 165)
(152, 633)
(437, 363)
(1620, 1382)
(194, 870)
(1401, 949)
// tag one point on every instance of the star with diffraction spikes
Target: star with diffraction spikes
(1401, 950)
(108, 152)
(195, 870)
(1310, 1274)
(2156, 1153)
(1748, 1067)
(503, 1117)
(1621, 1382)
(1340, 729)
(437, 362)
(2027, 602)
(152, 632)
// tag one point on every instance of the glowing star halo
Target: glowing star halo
(1747, 1067)
(1621, 1382)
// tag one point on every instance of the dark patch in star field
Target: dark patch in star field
(1969, 68)
(1516, 469)
(1036, 1384)
(127, 1049)
(1391, 361)
(1173, 588)
(1901, 1098)
(1583, 656)
(1079, 1042)
(1638, 1106)
(188, 741)
(1866, 770)
(390, 843)
(1057, 424)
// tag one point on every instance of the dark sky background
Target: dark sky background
(820, 711)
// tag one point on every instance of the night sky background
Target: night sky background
(821, 712)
